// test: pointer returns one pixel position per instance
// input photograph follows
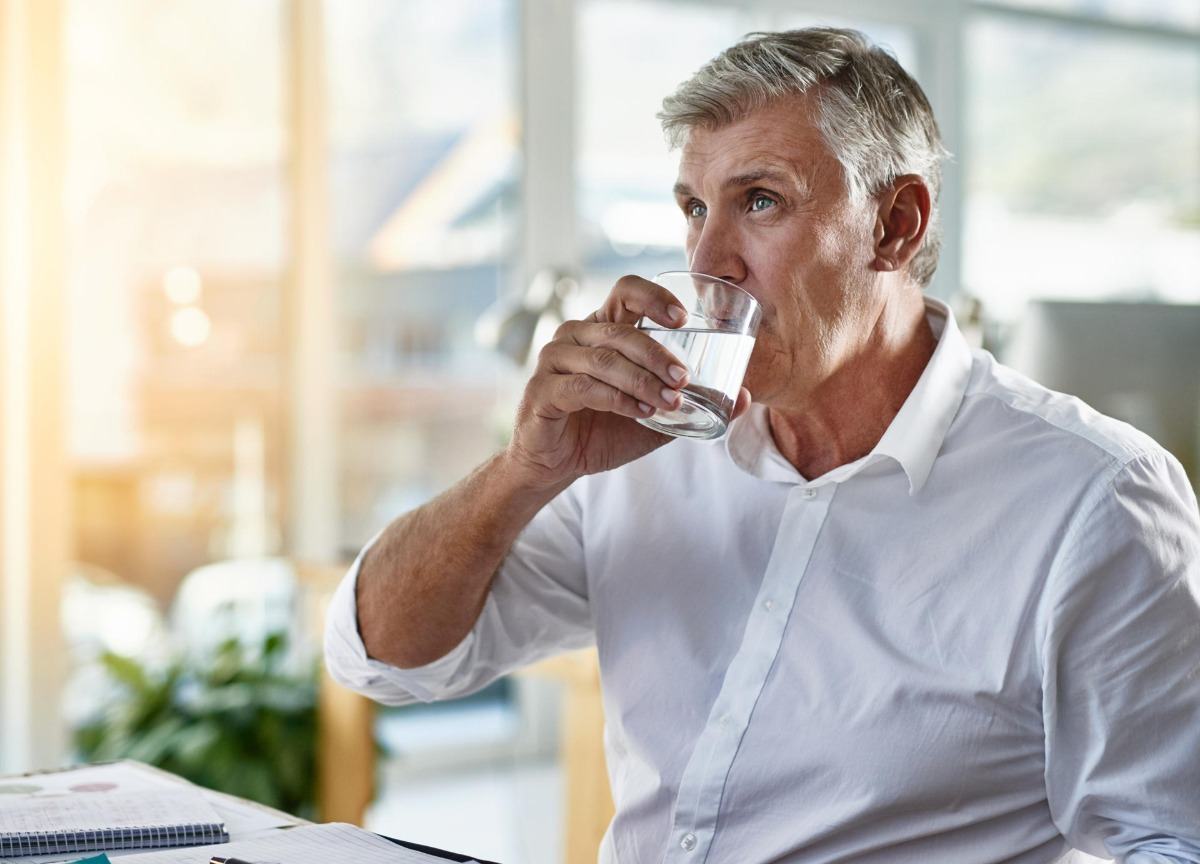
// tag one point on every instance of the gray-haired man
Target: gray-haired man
(913, 607)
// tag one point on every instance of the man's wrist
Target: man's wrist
(529, 487)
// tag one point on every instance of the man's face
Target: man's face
(767, 209)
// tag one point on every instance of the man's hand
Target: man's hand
(593, 381)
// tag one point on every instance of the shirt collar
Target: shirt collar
(914, 436)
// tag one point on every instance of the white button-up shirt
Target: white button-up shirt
(978, 643)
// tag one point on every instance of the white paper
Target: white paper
(118, 776)
(244, 818)
(334, 843)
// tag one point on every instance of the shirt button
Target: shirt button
(768, 605)
(687, 842)
(809, 493)
(724, 721)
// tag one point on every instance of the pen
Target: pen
(216, 859)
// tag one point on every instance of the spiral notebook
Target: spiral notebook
(102, 807)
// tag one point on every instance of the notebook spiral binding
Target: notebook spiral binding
(148, 837)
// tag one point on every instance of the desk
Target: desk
(244, 819)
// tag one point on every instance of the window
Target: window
(175, 192)
(1174, 13)
(424, 133)
(1082, 176)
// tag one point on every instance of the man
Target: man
(913, 608)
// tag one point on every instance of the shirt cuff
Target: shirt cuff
(347, 661)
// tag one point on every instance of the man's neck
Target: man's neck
(844, 418)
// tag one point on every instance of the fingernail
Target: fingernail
(646, 409)
(676, 372)
(669, 396)
(677, 313)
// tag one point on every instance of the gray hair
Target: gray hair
(871, 113)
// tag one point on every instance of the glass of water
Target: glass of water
(714, 343)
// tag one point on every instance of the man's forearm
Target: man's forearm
(423, 583)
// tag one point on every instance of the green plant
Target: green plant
(238, 723)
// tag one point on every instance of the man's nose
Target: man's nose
(718, 253)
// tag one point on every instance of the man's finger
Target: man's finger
(613, 368)
(571, 393)
(634, 297)
(638, 347)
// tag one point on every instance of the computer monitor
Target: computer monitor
(1138, 362)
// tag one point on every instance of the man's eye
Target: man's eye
(695, 210)
(762, 202)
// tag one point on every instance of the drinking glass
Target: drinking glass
(714, 343)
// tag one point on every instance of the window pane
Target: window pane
(1173, 13)
(1083, 180)
(424, 173)
(174, 189)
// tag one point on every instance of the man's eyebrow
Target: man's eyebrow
(682, 190)
(758, 175)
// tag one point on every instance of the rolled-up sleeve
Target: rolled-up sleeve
(1121, 669)
(537, 607)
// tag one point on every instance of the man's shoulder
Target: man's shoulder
(1012, 409)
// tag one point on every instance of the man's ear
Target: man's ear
(900, 221)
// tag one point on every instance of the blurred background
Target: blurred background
(270, 271)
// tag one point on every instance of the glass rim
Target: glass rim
(745, 321)
(725, 282)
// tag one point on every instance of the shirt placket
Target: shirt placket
(703, 781)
